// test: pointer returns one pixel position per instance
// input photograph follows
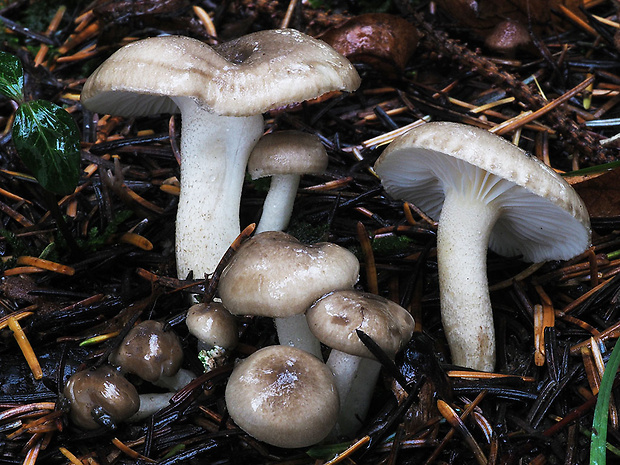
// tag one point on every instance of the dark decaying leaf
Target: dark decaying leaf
(601, 194)
(48, 142)
(382, 40)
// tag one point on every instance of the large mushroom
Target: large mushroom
(221, 92)
(486, 192)
(274, 275)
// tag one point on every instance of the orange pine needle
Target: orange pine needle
(70, 457)
(25, 347)
(137, 240)
(129, 451)
(45, 265)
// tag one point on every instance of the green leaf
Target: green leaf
(11, 77)
(598, 453)
(48, 142)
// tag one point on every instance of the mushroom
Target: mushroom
(103, 388)
(283, 396)
(285, 156)
(216, 330)
(152, 354)
(221, 92)
(273, 274)
(334, 319)
(489, 193)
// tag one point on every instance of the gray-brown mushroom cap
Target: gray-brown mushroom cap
(149, 352)
(273, 274)
(246, 76)
(213, 324)
(105, 388)
(287, 152)
(283, 396)
(335, 317)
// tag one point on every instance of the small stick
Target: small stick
(369, 258)
(289, 14)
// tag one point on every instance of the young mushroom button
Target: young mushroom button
(274, 275)
(334, 319)
(283, 396)
(152, 354)
(485, 192)
(285, 156)
(104, 389)
(221, 92)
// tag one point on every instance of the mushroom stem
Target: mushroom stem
(355, 379)
(151, 404)
(214, 154)
(462, 240)
(293, 331)
(279, 202)
(181, 379)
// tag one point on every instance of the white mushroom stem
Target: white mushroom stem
(293, 331)
(355, 379)
(278, 205)
(181, 379)
(151, 404)
(462, 240)
(214, 154)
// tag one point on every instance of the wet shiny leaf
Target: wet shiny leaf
(11, 77)
(48, 142)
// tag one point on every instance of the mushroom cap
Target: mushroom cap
(103, 387)
(273, 274)
(542, 217)
(287, 152)
(149, 352)
(283, 396)
(212, 324)
(243, 77)
(336, 316)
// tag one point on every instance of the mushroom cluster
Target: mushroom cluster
(308, 289)
(221, 93)
(104, 397)
(486, 193)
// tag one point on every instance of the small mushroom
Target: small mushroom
(486, 192)
(221, 92)
(152, 354)
(216, 330)
(283, 396)
(103, 388)
(334, 319)
(273, 274)
(213, 325)
(285, 156)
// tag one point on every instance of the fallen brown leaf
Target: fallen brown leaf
(601, 194)
(384, 41)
